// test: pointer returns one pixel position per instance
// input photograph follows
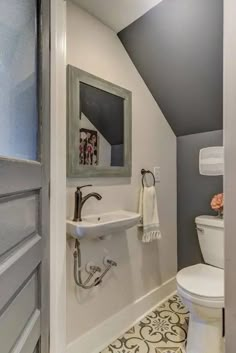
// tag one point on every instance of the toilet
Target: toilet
(201, 288)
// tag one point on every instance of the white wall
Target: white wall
(93, 47)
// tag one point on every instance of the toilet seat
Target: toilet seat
(202, 284)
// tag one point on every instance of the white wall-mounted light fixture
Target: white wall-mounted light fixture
(211, 161)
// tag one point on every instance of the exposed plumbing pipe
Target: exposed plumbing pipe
(77, 270)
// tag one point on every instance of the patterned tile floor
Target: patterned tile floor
(162, 331)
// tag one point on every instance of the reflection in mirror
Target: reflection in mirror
(101, 127)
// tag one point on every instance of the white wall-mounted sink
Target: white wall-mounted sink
(95, 226)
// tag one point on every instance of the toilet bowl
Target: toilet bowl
(201, 288)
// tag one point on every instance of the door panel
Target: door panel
(30, 336)
(19, 217)
(17, 176)
(15, 270)
(24, 183)
(17, 315)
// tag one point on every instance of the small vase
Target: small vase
(220, 213)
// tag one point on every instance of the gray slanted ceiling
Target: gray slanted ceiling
(105, 111)
(178, 49)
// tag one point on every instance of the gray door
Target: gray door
(24, 176)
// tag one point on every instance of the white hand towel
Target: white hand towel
(149, 214)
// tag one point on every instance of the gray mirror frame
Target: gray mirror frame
(74, 169)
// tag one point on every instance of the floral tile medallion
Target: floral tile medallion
(164, 330)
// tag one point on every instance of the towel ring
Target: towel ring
(144, 172)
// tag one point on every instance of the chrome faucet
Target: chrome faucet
(80, 201)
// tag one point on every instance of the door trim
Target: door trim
(230, 171)
(44, 118)
(58, 177)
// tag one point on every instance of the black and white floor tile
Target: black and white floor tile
(164, 330)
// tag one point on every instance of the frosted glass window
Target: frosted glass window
(18, 79)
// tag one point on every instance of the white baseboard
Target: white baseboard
(101, 336)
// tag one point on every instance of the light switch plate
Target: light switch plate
(157, 174)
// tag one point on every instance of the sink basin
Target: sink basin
(95, 226)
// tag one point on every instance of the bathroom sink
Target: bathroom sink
(96, 226)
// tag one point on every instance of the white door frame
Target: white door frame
(58, 178)
(230, 170)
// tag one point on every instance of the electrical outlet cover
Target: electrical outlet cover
(157, 174)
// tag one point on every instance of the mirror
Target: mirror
(99, 127)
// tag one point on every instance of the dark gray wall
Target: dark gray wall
(194, 192)
(178, 49)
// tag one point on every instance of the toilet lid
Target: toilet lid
(202, 280)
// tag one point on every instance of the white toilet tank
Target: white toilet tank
(210, 232)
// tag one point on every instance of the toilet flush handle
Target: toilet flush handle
(201, 230)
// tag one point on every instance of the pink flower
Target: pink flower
(217, 202)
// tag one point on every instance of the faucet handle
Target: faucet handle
(84, 186)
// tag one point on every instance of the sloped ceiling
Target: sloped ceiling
(116, 14)
(178, 49)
